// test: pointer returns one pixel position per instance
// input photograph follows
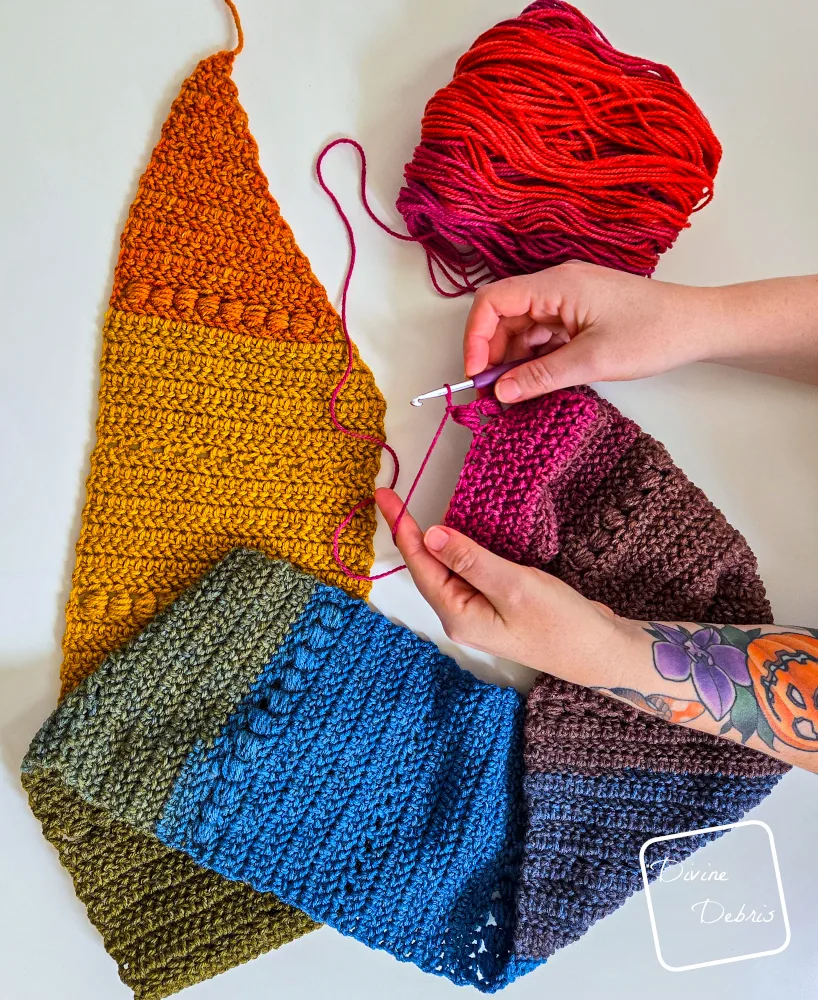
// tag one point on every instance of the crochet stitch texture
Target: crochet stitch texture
(284, 734)
(568, 484)
(220, 353)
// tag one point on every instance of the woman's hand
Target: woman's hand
(517, 612)
(586, 323)
(685, 673)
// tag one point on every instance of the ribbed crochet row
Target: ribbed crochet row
(283, 734)
(220, 353)
(152, 927)
(207, 440)
(566, 483)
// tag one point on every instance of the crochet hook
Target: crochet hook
(481, 381)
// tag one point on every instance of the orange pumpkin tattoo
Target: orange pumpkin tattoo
(784, 671)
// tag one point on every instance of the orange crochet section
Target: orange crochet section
(205, 241)
(220, 354)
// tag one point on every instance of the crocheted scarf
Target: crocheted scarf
(220, 352)
(285, 735)
(268, 742)
(568, 484)
(278, 732)
(282, 734)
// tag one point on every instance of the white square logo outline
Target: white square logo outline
(694, 833)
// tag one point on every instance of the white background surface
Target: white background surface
(85, 87)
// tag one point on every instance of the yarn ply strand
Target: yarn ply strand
(338, 389)
(450, 410)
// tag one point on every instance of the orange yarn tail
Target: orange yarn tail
(239, 32)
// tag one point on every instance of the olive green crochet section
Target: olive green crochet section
(152, 928)
(121, 736)
(118, 741)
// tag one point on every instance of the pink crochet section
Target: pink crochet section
(511, 493)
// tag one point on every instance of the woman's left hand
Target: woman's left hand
(517, 612)
(529, 616)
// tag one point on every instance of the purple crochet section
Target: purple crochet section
(509, 495)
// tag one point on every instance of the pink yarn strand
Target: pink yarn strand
(353, 253)
(447, 413)
(363, 504)
(360, 435)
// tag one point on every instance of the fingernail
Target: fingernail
(436, 538)
(507, 390)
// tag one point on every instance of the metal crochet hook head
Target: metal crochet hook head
(481, 381)
(457, 387)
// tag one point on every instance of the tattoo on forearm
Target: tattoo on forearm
(675, 710)
(762, 683)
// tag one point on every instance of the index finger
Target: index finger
(486, 335)
(438, 585)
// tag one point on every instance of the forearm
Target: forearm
(767, 326)
(757, 685)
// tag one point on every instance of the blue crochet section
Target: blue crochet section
(371, 782)
(581, 858)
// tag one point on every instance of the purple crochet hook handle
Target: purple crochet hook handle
(490, 375)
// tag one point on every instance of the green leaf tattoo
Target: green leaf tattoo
(735, 637)
(744, 714)
(765, 734)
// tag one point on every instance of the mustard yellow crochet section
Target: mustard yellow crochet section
(208, 440)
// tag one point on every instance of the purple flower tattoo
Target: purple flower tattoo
(714, 667)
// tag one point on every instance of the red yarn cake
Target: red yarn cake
(550, 145)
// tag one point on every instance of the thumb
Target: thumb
(491, 575)
(568, 365)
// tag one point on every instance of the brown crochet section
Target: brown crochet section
(632, 531)
(152, 926)
(569, 728)
(649, 544)
(568, 484)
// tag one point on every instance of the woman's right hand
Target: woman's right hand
(587, 323)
